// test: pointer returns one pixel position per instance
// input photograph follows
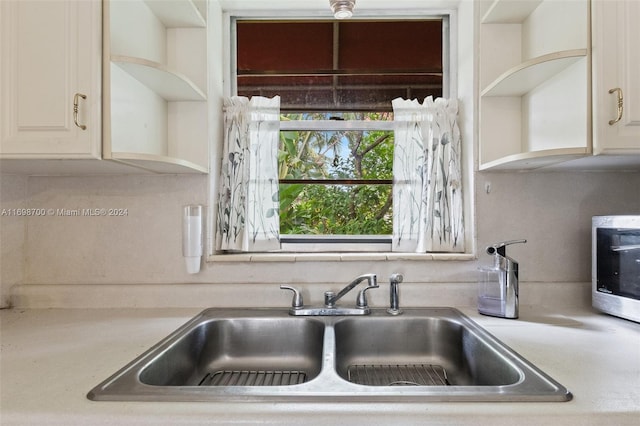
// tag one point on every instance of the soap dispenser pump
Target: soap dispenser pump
(498, 285)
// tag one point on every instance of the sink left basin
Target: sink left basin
(265, 349)
(240, 352)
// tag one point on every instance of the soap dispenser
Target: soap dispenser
(498, 285)
(192, 237)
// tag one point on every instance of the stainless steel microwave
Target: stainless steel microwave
(615, 270)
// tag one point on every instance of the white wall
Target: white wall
(135, 260)
(131, 257)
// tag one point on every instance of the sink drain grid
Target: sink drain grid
(253, 378)
(398, 375)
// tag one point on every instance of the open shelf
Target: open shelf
(168, 84)
(158, 163)
(509, 12)
(179, 13)
(535, 75)
(155, 92)
(528, 75)
(534, 159)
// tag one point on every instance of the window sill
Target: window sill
(335, 257)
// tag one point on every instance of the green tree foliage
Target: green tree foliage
(336, 209)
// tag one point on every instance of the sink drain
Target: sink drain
(253, 378)
(398, 375)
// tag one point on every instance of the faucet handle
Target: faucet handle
(501, 248)
(297, 301)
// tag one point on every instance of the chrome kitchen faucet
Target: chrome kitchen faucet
(330, 299)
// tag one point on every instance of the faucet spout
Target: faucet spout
(330, 298)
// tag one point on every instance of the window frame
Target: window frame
(362, 244)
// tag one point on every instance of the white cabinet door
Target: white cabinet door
(616, 68)
(51, 57)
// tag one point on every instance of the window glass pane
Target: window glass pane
(338, 115)
(359, 161)
(336, 155)
(391, 45)
(335, 209)
(271, 46)
(349, 66)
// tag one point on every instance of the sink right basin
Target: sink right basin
(418, 351)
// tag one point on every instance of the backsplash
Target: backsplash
(13, 195)
(141, 242)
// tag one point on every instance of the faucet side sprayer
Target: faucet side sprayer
(394, 294)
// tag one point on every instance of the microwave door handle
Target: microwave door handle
(625, 248)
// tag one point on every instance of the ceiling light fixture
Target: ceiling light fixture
(342, 9)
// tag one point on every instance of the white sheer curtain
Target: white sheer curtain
(427, 190)
(248, 207)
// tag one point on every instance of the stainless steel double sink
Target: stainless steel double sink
(425, 354)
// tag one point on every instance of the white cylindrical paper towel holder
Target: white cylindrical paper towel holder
(192, 237)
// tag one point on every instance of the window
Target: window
(336, 80)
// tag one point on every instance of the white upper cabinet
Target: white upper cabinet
(50, 79)
(155, 80)
(616, 79)
(89, 80)
(559, 85)
(534, 83)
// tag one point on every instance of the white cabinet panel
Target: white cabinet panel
(616, 57)
(50, 52)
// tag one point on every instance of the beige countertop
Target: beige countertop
(50, 359)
